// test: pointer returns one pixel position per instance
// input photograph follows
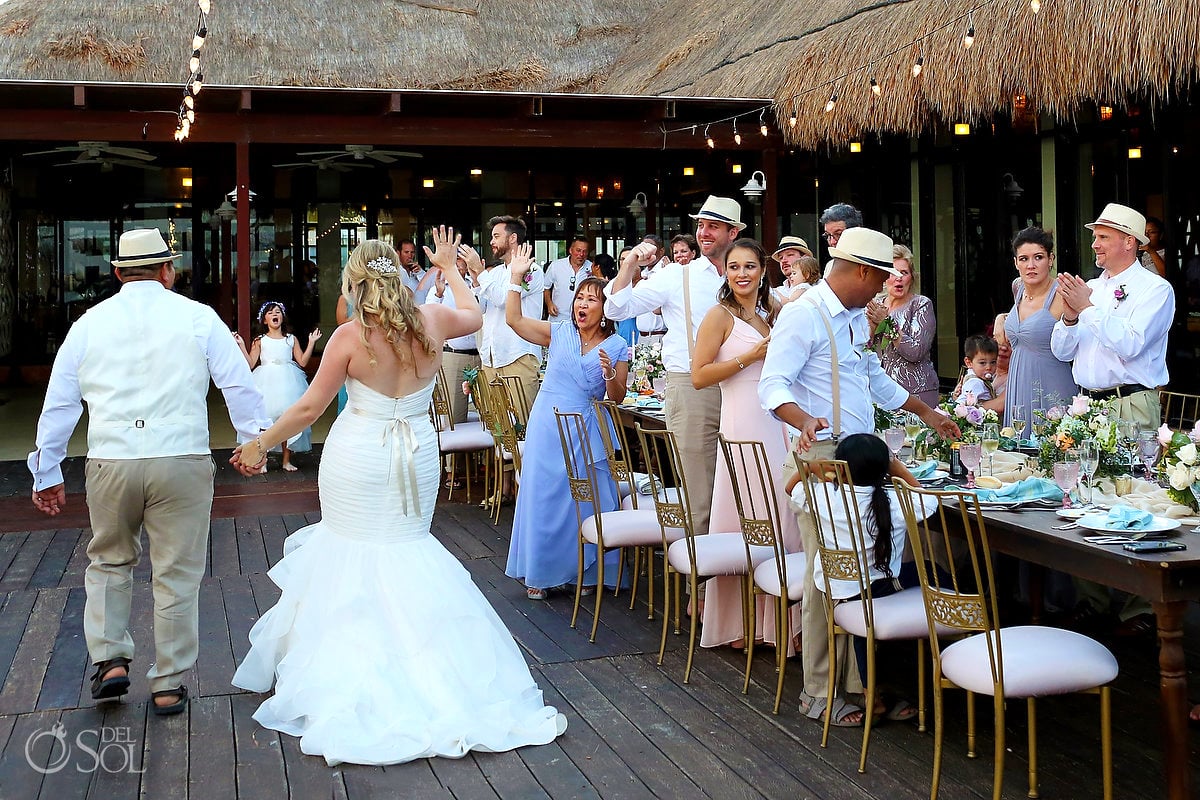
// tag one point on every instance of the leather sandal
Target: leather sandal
(173, 708)
(113, 687)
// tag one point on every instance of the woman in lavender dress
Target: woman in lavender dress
(906, 359)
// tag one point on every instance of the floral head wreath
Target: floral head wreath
(262, 311)
(382, 266)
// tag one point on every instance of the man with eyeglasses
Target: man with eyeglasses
(834, 221)
(563, 275)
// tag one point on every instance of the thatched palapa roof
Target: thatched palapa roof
(1071, 53)
(506, 45)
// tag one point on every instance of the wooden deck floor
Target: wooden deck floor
(635, 729)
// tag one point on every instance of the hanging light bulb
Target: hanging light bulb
(969, 39)
(831, 102)
(197, 83)
(916, 67)
(189, 101)
(1035, 5)
(875, 87)
(205, 5)
(762, 122)
(190, 116)
(198, 39)
(792, 117)
(708, 139)
(179, 134)
(194, 62)
(737, 137)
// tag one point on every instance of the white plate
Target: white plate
(1073, 513)
(935, 476)
(1099, 522)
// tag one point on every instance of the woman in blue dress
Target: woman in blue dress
(588, 360)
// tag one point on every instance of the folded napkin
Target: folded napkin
(641, 482)
(923, 471)
(1027, 489)
(1146, 496)
(1128, 518)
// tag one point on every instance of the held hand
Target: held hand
(808, 433)
(242, 455)
(469, 255)
(445, 248)
(51, 500)
(521, 262)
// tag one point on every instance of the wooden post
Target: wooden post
(244, 267)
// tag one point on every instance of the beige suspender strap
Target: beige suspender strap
(687, 311)
(833, 357)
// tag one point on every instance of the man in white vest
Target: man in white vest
(142, 361)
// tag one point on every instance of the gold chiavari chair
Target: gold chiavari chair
(509, 432)
(489, 407)
(832, 504)
(464, 439)
(518, 399)
(617, 529)
(780, 577)
(710, 555)
(1179, 411)
(620, 466)
(1027, 661)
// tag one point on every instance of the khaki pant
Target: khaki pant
(694, 416)
(526, 369)
(814, 630)
(172, 498)
(453, 365)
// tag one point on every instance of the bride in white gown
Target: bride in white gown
(381, 649)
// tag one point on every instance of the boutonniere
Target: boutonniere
(1119, 295)
(884, 335)
(526, 278)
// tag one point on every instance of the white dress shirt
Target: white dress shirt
(561, 280)
(142, 361)
(412, 280)
(798, 367)
(664, 289)
(467, 342)
(1120, 342)
(499, 345)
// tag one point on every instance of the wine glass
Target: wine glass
(1089, 462)
(1195, 487)
(1148, 447)
(1018, 421)
(1128, 431)
(912, 427)
(990, 441)
(1066, 475)
(895, 440)
(969, 455)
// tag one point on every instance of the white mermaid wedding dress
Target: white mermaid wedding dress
(381, 648)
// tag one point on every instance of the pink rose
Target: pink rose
(1055, 413)
(960, 411)
(969, 399)
(1164, 435)
(1079, 405)
(467, 388)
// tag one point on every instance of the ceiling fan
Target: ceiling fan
(361, 152)
(325, 164)
(90, 151)
(106, 163)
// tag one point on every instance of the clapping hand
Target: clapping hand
(474, 262)
(1075, 292)
(876, 313)
(445, 248)
(521, 262)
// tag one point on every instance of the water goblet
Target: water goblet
(1148, 447)
(912, 428)
(1127, 429)
(1195, 487)
(1066, 475)
(989, 439)
(1089, 462)
(969, 455)
(895, 440)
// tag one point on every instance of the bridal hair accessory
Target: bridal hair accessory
(262, 310)
(382, 265)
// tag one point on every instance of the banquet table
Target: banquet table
(1168, 580)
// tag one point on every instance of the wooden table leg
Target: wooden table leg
(1173, 690)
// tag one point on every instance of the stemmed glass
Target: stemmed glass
(912, 427)
(1089, 462)
(1066, 475)
(895, 440)
(1148, 447)
(969, 455)
(1128, 431)
(990, 441)
(1018, 421)
(1195, 487)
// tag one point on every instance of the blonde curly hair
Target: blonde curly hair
(372, 282)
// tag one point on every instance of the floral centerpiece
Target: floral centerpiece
(646, 366)
(1068, 425)
(1179, 466)
(970, 418)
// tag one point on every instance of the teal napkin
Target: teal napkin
(923, 471)
(1128, 518)
(1028, 489)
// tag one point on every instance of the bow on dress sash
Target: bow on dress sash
(403, 462)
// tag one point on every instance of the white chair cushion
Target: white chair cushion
(897, 616)
(717, 554)
(646, 501)
(1038, 661)
(472, 416)
(628, 529)
(464, 439)
(507, 454)
(766, 576)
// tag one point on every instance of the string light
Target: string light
(875, 87)
(829, 104)
(969, 39)
(917, 66)
(1035, 5)
(198, 39)
(762, 122)
(204, 5)
(195, 81)
(737, 137)
(708, 139)
(792, 118)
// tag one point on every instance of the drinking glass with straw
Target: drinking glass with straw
(990, 442)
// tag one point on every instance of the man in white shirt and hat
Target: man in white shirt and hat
(800, 387)
(1114, 328)
(685, 293)
(790, 250)
(142, 361)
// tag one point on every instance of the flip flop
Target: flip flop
(901, 711)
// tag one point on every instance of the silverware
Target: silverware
(1070, 526)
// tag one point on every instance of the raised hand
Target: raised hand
(643, 254)
(445, 248)
(314, 337)
(605, 363)
(469, 255)
(521, 262)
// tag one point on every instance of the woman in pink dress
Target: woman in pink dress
(730, 346)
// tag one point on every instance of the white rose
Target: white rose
(1187, 453)
(1180, 477)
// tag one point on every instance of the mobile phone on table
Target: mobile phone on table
(1154, 547)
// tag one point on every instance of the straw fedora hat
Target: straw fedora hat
(791, 243)
(721, 209)
(142, 247)
(1123, 219)
(865, 246)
